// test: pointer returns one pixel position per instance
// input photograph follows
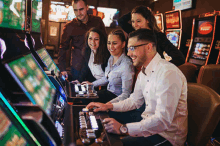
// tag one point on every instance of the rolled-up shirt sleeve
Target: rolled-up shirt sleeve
(168, 92)
(100, 82)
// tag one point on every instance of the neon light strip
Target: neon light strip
(19, 119)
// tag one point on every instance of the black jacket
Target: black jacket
(163, 44)
(86, 74)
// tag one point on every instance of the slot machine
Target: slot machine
(13, 129)
(173, 21)
(204, 43)
(159, 19)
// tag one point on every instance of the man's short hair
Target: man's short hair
(76, 1)
(144, 35)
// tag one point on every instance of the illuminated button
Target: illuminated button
(86, 141)
(89, 130)
(91, 113)
(93, 122)
(85, 109)
(81, 113)
(91, 135)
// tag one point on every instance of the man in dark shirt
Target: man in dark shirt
(74, 32)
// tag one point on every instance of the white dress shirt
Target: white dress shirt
(95, 69)
(163, 88)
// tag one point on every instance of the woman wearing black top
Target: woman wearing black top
(96, 55)
(142, 17)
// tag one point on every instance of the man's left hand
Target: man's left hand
(112, 126)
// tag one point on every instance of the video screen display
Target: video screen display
(200, 51)
(205, 28)
(173, 36)
(159, 21)
(9, 134)
(36, 15)
(109, 16)
(12, 14)
(182, 4)
(48, 61)
(172, 20)
(33, 81)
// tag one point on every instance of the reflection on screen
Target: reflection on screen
(201, 51)
(173, 37)
(48, 61)
(109, 16)
(33, 81)
(12, 14)
(9, 134)
(36, 15)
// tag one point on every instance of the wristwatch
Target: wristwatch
(123, 129)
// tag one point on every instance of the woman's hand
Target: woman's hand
(86, 82)
(75, 82)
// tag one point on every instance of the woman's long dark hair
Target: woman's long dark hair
(102, 53)
(148, 15)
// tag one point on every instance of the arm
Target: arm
(168, 90)
(127, 77)
(64, 45)
(100, 82)
(177, 56)
(123, 22)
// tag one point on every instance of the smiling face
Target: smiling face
(138, 56)
(80, 10)
(115, 45)
(138, 21)
(93, 41)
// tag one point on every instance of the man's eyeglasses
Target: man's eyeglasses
(132, 48)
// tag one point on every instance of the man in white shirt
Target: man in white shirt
(163, 89)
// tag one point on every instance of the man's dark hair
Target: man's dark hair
(76, 1)
(144, 35)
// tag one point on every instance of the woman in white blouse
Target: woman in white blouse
(119, 72)
(96, 56)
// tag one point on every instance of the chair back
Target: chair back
(209, 75)
(189, 70)
(203, 113)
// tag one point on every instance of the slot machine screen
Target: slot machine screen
(33, 81)
(48, 61)
(205, 28)
(12, 14)
(173, 37)
(36, 15)
(199, 53)
(159, 21)
(12, 129)
(109, 16)
(172, 20)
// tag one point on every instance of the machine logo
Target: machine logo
(205, 28)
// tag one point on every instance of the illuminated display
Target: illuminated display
(173, 20)
(109, 16)
(200, 51)
(48, 61)
(173, 37)
(33, 81)
(9, 134)
(36, 15)
(205, 28)
(12, 14)
(159, 21)
(182, 4)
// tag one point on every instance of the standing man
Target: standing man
(74, 35)
(163, 89)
